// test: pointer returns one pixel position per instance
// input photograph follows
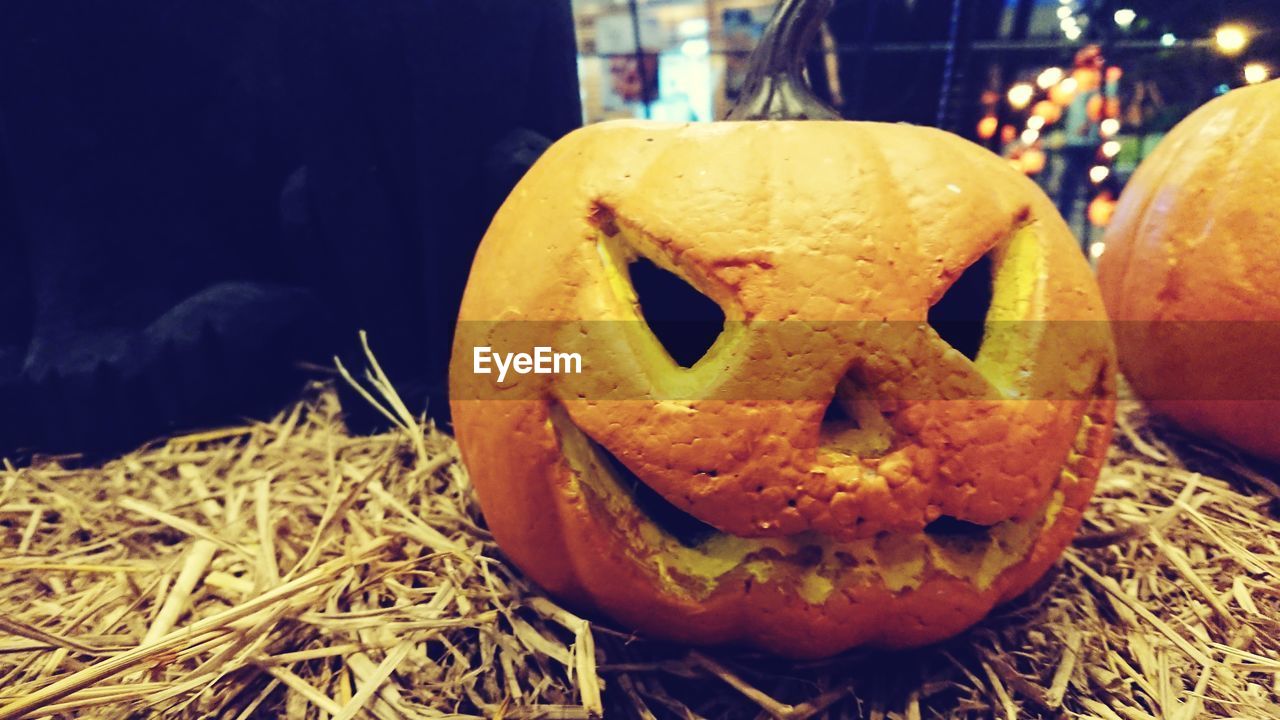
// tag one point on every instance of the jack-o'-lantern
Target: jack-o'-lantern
(896, 427)
(1191, 275)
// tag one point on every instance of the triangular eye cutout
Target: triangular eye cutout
(959, 316)
(684, 320)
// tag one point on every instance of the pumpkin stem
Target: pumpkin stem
(775, 88)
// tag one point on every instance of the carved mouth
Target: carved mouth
(685, 528)
(947, 526)
(692, 558)
(692, 532)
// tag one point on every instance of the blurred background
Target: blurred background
(1073, 92)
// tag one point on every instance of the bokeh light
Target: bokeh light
(1020, 95)
(1255, 73)
(1231, 39)
(1050, 77)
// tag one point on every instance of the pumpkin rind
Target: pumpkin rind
(1191, 273)
(784, 223)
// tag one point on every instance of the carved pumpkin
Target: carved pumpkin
(1191, 274)
(842, 466)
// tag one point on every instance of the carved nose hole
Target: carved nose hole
(853, 423)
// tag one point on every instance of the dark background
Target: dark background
(195, 196)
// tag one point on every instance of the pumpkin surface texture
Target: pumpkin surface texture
(895, 425)
(1191, 273)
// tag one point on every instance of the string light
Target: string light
(1050, 77)
(1168, 39)
(1124, 17)
(1255, 73)
(1049, 110)
(1033, 161)
(1020, 95)
(1064, 92)
(1061, 86)
(1064, 12)
(987, 127)
(1231, 39)
(1101, 209)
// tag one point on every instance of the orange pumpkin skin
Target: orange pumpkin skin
(1191, 272)
(786, 222)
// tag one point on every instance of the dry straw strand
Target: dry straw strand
(290, 569)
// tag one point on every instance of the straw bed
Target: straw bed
(288, 569)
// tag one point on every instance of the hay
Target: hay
(287, 569)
